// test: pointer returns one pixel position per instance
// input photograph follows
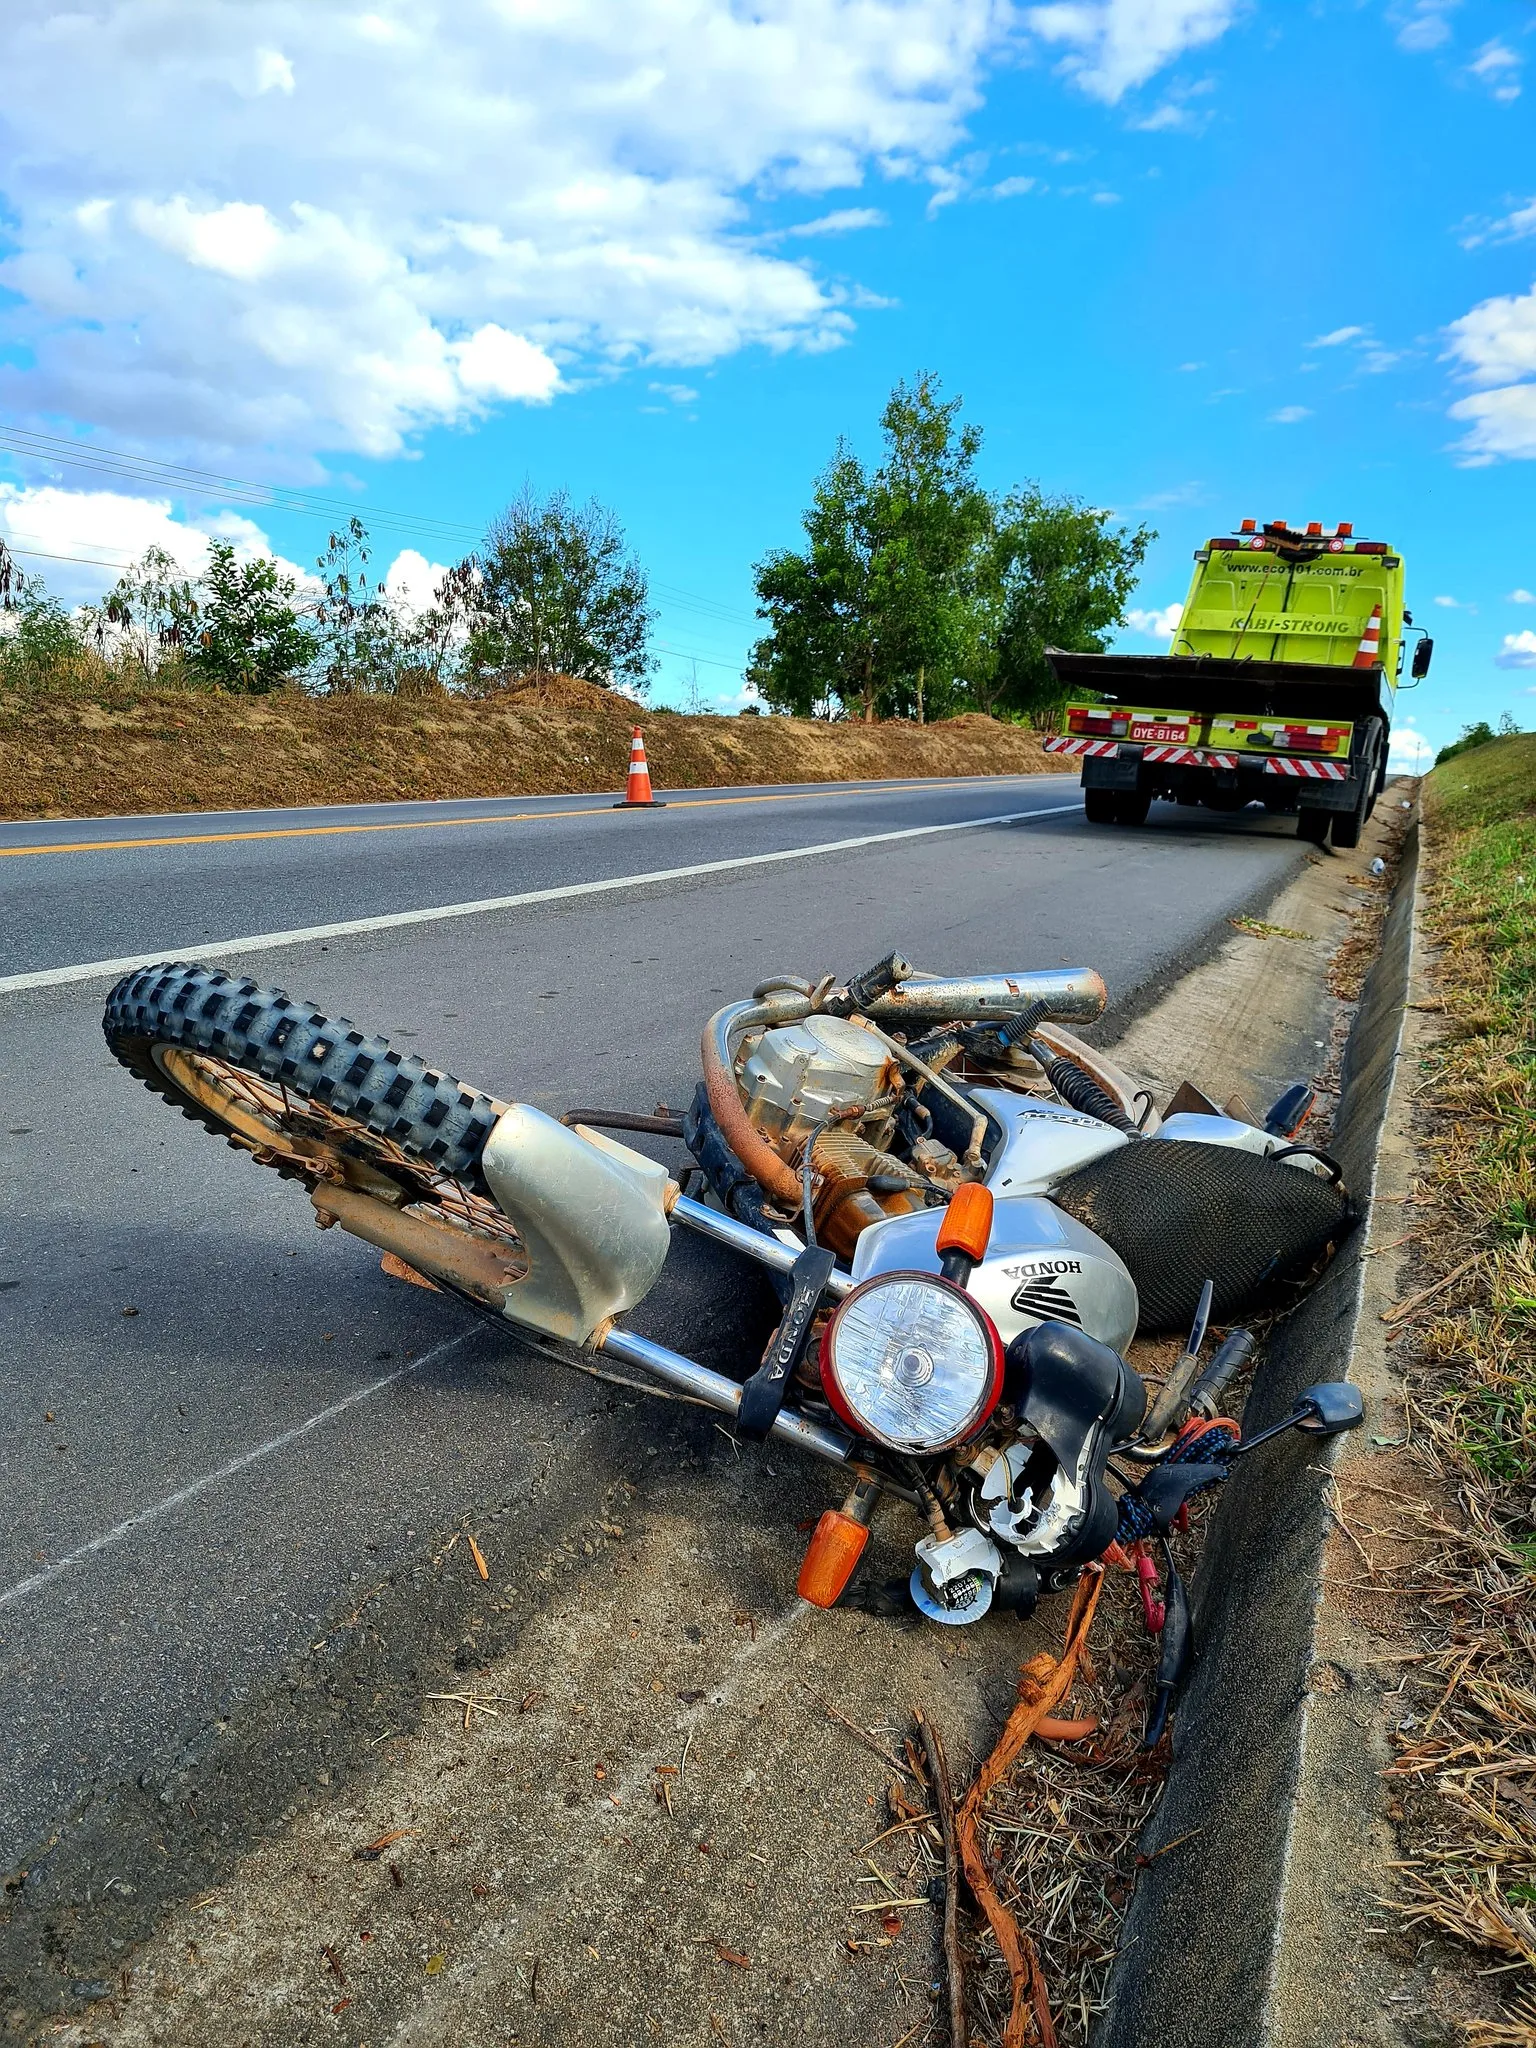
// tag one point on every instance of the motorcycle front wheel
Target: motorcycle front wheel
(309, 1095)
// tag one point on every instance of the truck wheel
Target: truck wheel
(1348, 825)
(1132, 806)
(1312, 826)
(1100, 806)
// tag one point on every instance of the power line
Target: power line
(38, 447)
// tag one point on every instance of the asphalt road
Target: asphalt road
(223, 1429)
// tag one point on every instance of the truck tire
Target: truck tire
(1348, 825)
(1312, 826)
(1132, 806)
(1099, 806)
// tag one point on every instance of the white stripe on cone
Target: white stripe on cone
(638, 788)
(1368, 652)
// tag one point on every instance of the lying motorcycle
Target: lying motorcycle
(968, 1213)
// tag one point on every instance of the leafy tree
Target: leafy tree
(354, 628)
(1059, 574)
(38, 638)
(930, 514)
(555, 592)
(875, 611)
(151, 611)
(249, 637)
(822, 644)
(916, 592)
(1480, 734)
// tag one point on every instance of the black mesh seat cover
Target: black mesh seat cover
(1180, 1214)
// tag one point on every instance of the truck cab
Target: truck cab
(1278, 688)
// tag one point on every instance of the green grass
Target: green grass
(1481, 808)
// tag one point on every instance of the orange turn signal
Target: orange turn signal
(830, 1558)
(967, 1222)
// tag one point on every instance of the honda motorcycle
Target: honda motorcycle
(967, 1211)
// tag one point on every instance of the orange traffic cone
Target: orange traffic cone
(637, 791)
(1368, 653)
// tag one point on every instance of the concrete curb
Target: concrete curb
(1198, 1953)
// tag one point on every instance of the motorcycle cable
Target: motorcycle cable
(806, 1169)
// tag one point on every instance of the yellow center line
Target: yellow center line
(497, 818)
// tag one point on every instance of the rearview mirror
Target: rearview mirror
(1329, 1407)
(1421, 657)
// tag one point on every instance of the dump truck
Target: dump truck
(1278, 688)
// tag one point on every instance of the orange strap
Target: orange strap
(1018, 1950)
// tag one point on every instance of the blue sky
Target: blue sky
(1192, 259)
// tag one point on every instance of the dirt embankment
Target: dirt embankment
(176, 750)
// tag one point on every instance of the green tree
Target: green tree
(556, 592)
(916, 592)
(354, 627)
(151, 611)
(1054, 573)
(875, 612)
(930, 514)
(38, 640)
(822, 644)
(1480, 734)
(249, 637)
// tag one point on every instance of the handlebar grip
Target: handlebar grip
(1234, 1353)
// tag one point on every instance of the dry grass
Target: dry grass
(117, 748)
(1464, 1778)
(1059, 1835)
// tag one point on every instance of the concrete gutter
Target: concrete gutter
(1207, 1950)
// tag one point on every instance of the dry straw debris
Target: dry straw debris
(1464, 1777)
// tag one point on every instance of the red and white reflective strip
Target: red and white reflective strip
(1190, 757)
(1307, 771)
(1065, 743)
(1368, 653)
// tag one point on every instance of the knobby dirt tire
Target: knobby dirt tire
(363, 1088)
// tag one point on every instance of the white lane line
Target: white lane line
(92, 970)
(110, 1538)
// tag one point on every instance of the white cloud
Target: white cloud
(680, 394)
(1521, 597)
(495, 364)
(1012, 188)
(1408, 752)
(1338, 337)
(1496, 345)
(1288, 415)
(1115, 45)
(1454, 604)
(1518, 651)
(846, 220)
(1160, 624)
(262, 226)
(412, 581)
(1510, 227)
(1189, 493)
(274, 73)
(1425, 26)
(80, 541)
(1497, 67)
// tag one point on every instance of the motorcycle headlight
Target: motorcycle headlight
(912, 1362)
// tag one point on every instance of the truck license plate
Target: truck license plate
(1146, 729)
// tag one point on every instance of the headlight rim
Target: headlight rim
(850, 1417)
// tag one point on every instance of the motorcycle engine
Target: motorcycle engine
(828, 1083)
(802, 1075)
